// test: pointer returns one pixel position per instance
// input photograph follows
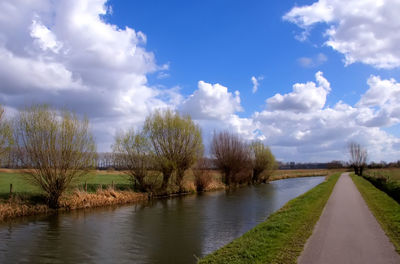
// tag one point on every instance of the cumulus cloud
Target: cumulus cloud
(364, 31)
(381, 101)
(305, 97)
(299, 126)
(297, 133)
(65, 53)
(212, 101)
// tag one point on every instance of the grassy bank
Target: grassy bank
(385, 209)
(281, 238)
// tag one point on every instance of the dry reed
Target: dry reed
(82, 199)
(16, 208)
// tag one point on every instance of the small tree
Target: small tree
(6, 140)
(176, 142)
(231, 156)
(132, 152)
(358, 157)
(202, 175)
(55, 146)
(263, 162)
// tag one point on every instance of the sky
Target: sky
(305, 77)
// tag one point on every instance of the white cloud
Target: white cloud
(312, 62)
(381, 101)
(45, 38)
(365, 31)
(323, 133)
(299, 126)
(305, 97)
(256, 82)
(212, 101)
(64, 53)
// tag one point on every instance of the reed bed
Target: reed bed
(17, 208)
(82, 199)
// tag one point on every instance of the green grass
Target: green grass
(24, 188)
(385, 209)
(281, 238)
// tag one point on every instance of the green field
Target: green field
(22, 186)
(281, 238)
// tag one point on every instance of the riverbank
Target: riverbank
(103, 188)
(385, 209)
(281, 238)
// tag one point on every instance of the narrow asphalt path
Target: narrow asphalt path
(347, 232)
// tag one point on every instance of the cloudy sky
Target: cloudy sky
(307, 77)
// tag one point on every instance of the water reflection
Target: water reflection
(163, 231)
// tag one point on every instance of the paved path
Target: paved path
(347, 232)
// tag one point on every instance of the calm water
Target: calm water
(173, 230)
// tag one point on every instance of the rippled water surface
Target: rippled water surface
(175, 230)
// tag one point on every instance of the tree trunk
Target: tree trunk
(166, 176)
(179, 179)
(227, 178)
(53, 200)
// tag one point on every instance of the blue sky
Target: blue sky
(327, 71)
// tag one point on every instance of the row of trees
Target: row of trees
(56, 147)
(172, 144)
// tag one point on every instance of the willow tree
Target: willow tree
(231, 155)
(176, 143)
(5, 135)
(132, 151)
(263, 162)
(358, 157)
(55, 147)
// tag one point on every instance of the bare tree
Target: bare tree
(176, 143)
(358, 157)
(132, 151)
(6, 139)
(263, 162)
(231, 156)
(55, 146)
(202, 175)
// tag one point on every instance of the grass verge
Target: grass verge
(385, 209)
(281, 238)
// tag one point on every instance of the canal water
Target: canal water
(175, 230)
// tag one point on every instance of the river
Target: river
(174, 230)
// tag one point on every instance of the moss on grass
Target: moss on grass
(281, 238)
